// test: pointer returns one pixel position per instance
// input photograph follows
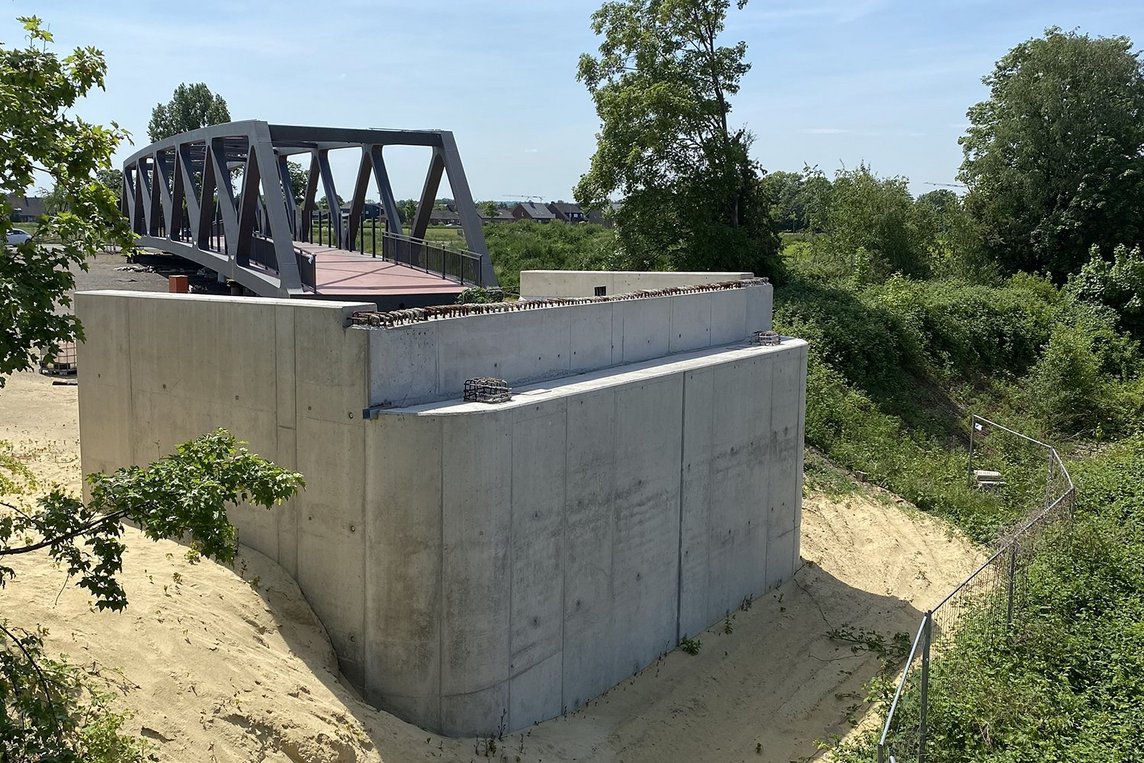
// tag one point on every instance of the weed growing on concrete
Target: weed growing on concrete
(690, 645)
(727, 627)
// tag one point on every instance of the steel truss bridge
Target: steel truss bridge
(221, 196)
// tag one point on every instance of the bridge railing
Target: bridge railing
(433, 257)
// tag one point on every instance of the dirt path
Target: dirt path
(232, 665)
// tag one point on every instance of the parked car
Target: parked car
(17, 237)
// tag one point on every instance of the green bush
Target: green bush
(527, 245)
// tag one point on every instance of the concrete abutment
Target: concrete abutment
(476, 564)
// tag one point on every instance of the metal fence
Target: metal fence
(991, 601)
(440, 258)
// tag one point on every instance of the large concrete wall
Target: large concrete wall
(477, 563)
(549, 284)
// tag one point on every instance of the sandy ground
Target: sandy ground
(221, 664)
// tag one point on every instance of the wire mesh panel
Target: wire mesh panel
(766, 338)
(486, 389)
(988, 606)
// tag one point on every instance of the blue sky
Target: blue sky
(833, 83)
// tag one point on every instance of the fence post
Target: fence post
(1012, 581)
(927, 639)
(969, 465)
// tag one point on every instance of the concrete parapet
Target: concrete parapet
(427, 361)
(478, 564)
(547, 284)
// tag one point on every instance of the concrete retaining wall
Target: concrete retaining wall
(548, 284)
(475, 563)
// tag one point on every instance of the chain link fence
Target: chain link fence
(1028, 474)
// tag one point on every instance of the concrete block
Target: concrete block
(481, 566)
(760, 298)
(782, 550)
(786, 441)
(331, 539)
(695, 501)
(646, 505)
(425, 710)
(729, 316)
(287, 515)
(285, 385)
(589, 630)
(546, 284)
(468, 715)
(331, 367)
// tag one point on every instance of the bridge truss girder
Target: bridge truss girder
(179, 196)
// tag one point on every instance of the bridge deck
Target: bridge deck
(342, 273)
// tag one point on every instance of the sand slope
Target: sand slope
(221, 664)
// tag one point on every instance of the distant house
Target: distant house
(25, 209)
(444, 217)
(567, 212)
(499, 215)
(530, 210)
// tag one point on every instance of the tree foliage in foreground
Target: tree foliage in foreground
(48, 709)
(185, 495)
(662, 84)
(190, 107)
(37, 91)
(1054, 159)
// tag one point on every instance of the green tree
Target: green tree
(1054, 159)
(37, 91)
(112, 177)
(299, 178)
(662, 85)
(1118, 284)
(190, 107)
(46, 709)
(784, 192)
(407, 208)
(954, 241)
(872, 226)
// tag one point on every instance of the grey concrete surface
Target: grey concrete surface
(482, 564)
(547, 284)
(420, 362)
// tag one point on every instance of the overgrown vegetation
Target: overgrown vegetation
(1066, 682)
(553, 246)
